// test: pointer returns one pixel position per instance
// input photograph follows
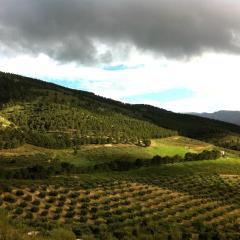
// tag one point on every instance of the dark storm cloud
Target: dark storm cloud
(70, 30)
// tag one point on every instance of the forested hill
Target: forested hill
(49, 115)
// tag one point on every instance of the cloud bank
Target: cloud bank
(95, 32)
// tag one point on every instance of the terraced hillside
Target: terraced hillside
(187, 200)
(197, 200)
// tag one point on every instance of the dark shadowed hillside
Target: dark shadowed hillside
(210, 130)
(48, 115)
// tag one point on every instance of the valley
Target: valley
(78, 166)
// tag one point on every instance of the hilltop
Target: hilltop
(225, 116)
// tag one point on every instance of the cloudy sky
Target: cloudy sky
(182, 55)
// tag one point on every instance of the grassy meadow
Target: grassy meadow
(91, 154)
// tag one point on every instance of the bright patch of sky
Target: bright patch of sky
(74, 84)
(122, 67)
(162, 96)
(201, 84)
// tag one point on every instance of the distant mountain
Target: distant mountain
(225, 116)
(48, 115)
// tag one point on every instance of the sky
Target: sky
(182, 56)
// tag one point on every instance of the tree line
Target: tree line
(122, 165)
(45, 170)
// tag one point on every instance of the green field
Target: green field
(176, 145)
(92, 154)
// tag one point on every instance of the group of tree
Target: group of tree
(233, 143)
(39, 171)
(11, 138)
(123, 165)
(205, 155)
(66, 140)
(46, 169)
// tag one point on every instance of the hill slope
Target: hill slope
(209, 130)
(56, 117)
(225, 116)
(52, 116)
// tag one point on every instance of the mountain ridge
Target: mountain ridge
(222, 115)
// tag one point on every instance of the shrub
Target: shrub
(83, 219)
(59, 203)
(51, 199)
(42, 195)
(62, 198)
(9, 198)
(56, 216)
(106, 201)
(83, 212)
(85, 200)
(18, 210)
(84, 206)
(36, 202)
(73, 195)
(34, 209)
(28, 215)
(9, 207)
(52, 193)
(96, 196)
(32, 189)
(93, 210)
(44, 213)
(106, 207)
(69, 214)
(22, 204)
(70, 208)
(61, 233)
(28, 198)
(19, 193)
(73, 202)
(58, 210)
(47, 206)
